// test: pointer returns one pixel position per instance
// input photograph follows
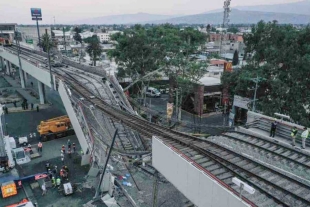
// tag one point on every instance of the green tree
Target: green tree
(280, 55)
(92, 29)
(233, 30)
(140, 51)
(77, 37)
(94, 49)
(46, 42)
(235, 60)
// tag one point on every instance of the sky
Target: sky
(64, 11)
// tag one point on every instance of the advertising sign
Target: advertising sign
(169, 110)
(29, 41)
(241, 102)
(36, 12)
(35, 18)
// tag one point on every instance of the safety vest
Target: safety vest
(294, 132)
(53, 180)
(40, 145)
(58, 181)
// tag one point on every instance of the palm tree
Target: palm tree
(46, 42)
(94, 49)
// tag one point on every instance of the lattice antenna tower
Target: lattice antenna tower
(226, 20)
(227, 11)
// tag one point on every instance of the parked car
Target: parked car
(152, 92)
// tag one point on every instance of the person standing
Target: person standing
(37, 108)
(294, 132)
(63, 149)
(43, 189)
(53, 182)
(31, 84)
(273, 128)
(47, 166)
(31, 106)
(73, 147)
(14, 104)
(304, 136)
(58, 182)
(62, 158)
(69, 144)
(40, 146)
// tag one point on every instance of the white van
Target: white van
(152, 92)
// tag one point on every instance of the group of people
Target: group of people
(69, 151)
(57, 178)
(294, 132)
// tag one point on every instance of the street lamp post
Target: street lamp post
(256, 81)
(49, 61)
(63, 29)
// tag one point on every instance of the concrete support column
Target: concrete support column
(8, 67)
(41, 92)
(2, 63)
(26, 77)
(22, 78)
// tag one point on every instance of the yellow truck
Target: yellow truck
(55, 128)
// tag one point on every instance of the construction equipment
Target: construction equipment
(8, 189)
(55, 128)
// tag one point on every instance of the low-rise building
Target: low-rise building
(106, 37)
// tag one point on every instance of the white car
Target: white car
(153, 92)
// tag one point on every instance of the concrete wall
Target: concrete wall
(201, 189)
(74, 121)
(40, 74)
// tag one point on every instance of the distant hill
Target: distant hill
(300, 7)
(123, 19)
(238, 16)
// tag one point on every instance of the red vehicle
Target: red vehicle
(5, 42)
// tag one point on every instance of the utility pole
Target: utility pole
(180, 106)
(38, 31)
(63, 29)
(49, 60)
(21, 73)
(177, 103)
(256, 81)
(155, 189)
(97, 197)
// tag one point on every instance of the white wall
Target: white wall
(196, 185)
(70, 111)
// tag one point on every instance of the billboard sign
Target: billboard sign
(36, 12)
(241, 102)
(35, 18)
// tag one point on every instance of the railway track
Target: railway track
(274, 188)
(268, 148)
